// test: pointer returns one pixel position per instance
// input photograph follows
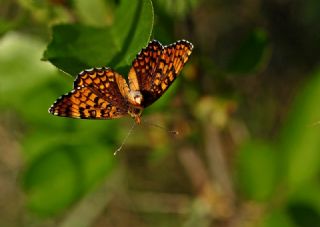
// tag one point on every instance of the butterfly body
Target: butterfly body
(101, 93)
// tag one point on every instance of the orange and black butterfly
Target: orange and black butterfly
(101, 93)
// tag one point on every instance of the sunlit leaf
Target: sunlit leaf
(301, 136)
(21, 70)
(94, 12)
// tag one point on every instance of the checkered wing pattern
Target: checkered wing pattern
(156, 67)
(101, 93)
(96, 95)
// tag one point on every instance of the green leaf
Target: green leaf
(252, 54)
(257, 170)
(307, 194)
(76, 47)
(5, 26)
(177, 8)
(301, 137)
(132, 29)
(52, 182)
(94, 12)
(20, 68)
(63, 173)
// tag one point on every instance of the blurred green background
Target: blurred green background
(246, 106)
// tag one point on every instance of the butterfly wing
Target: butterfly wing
(96, 95)
(156, 67)
(106, 83)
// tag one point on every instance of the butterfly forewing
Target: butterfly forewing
(156, 67)
(104, 82)
(96, 95)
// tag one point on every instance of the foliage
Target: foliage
(77, 47)
(245, 106)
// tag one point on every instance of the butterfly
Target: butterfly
(102, 93)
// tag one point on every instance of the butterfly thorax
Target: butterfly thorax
(135, 99)
(135, 113)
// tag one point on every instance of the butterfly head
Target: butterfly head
(135, 98)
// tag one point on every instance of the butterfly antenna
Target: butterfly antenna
(125, 138)
(161, 127)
